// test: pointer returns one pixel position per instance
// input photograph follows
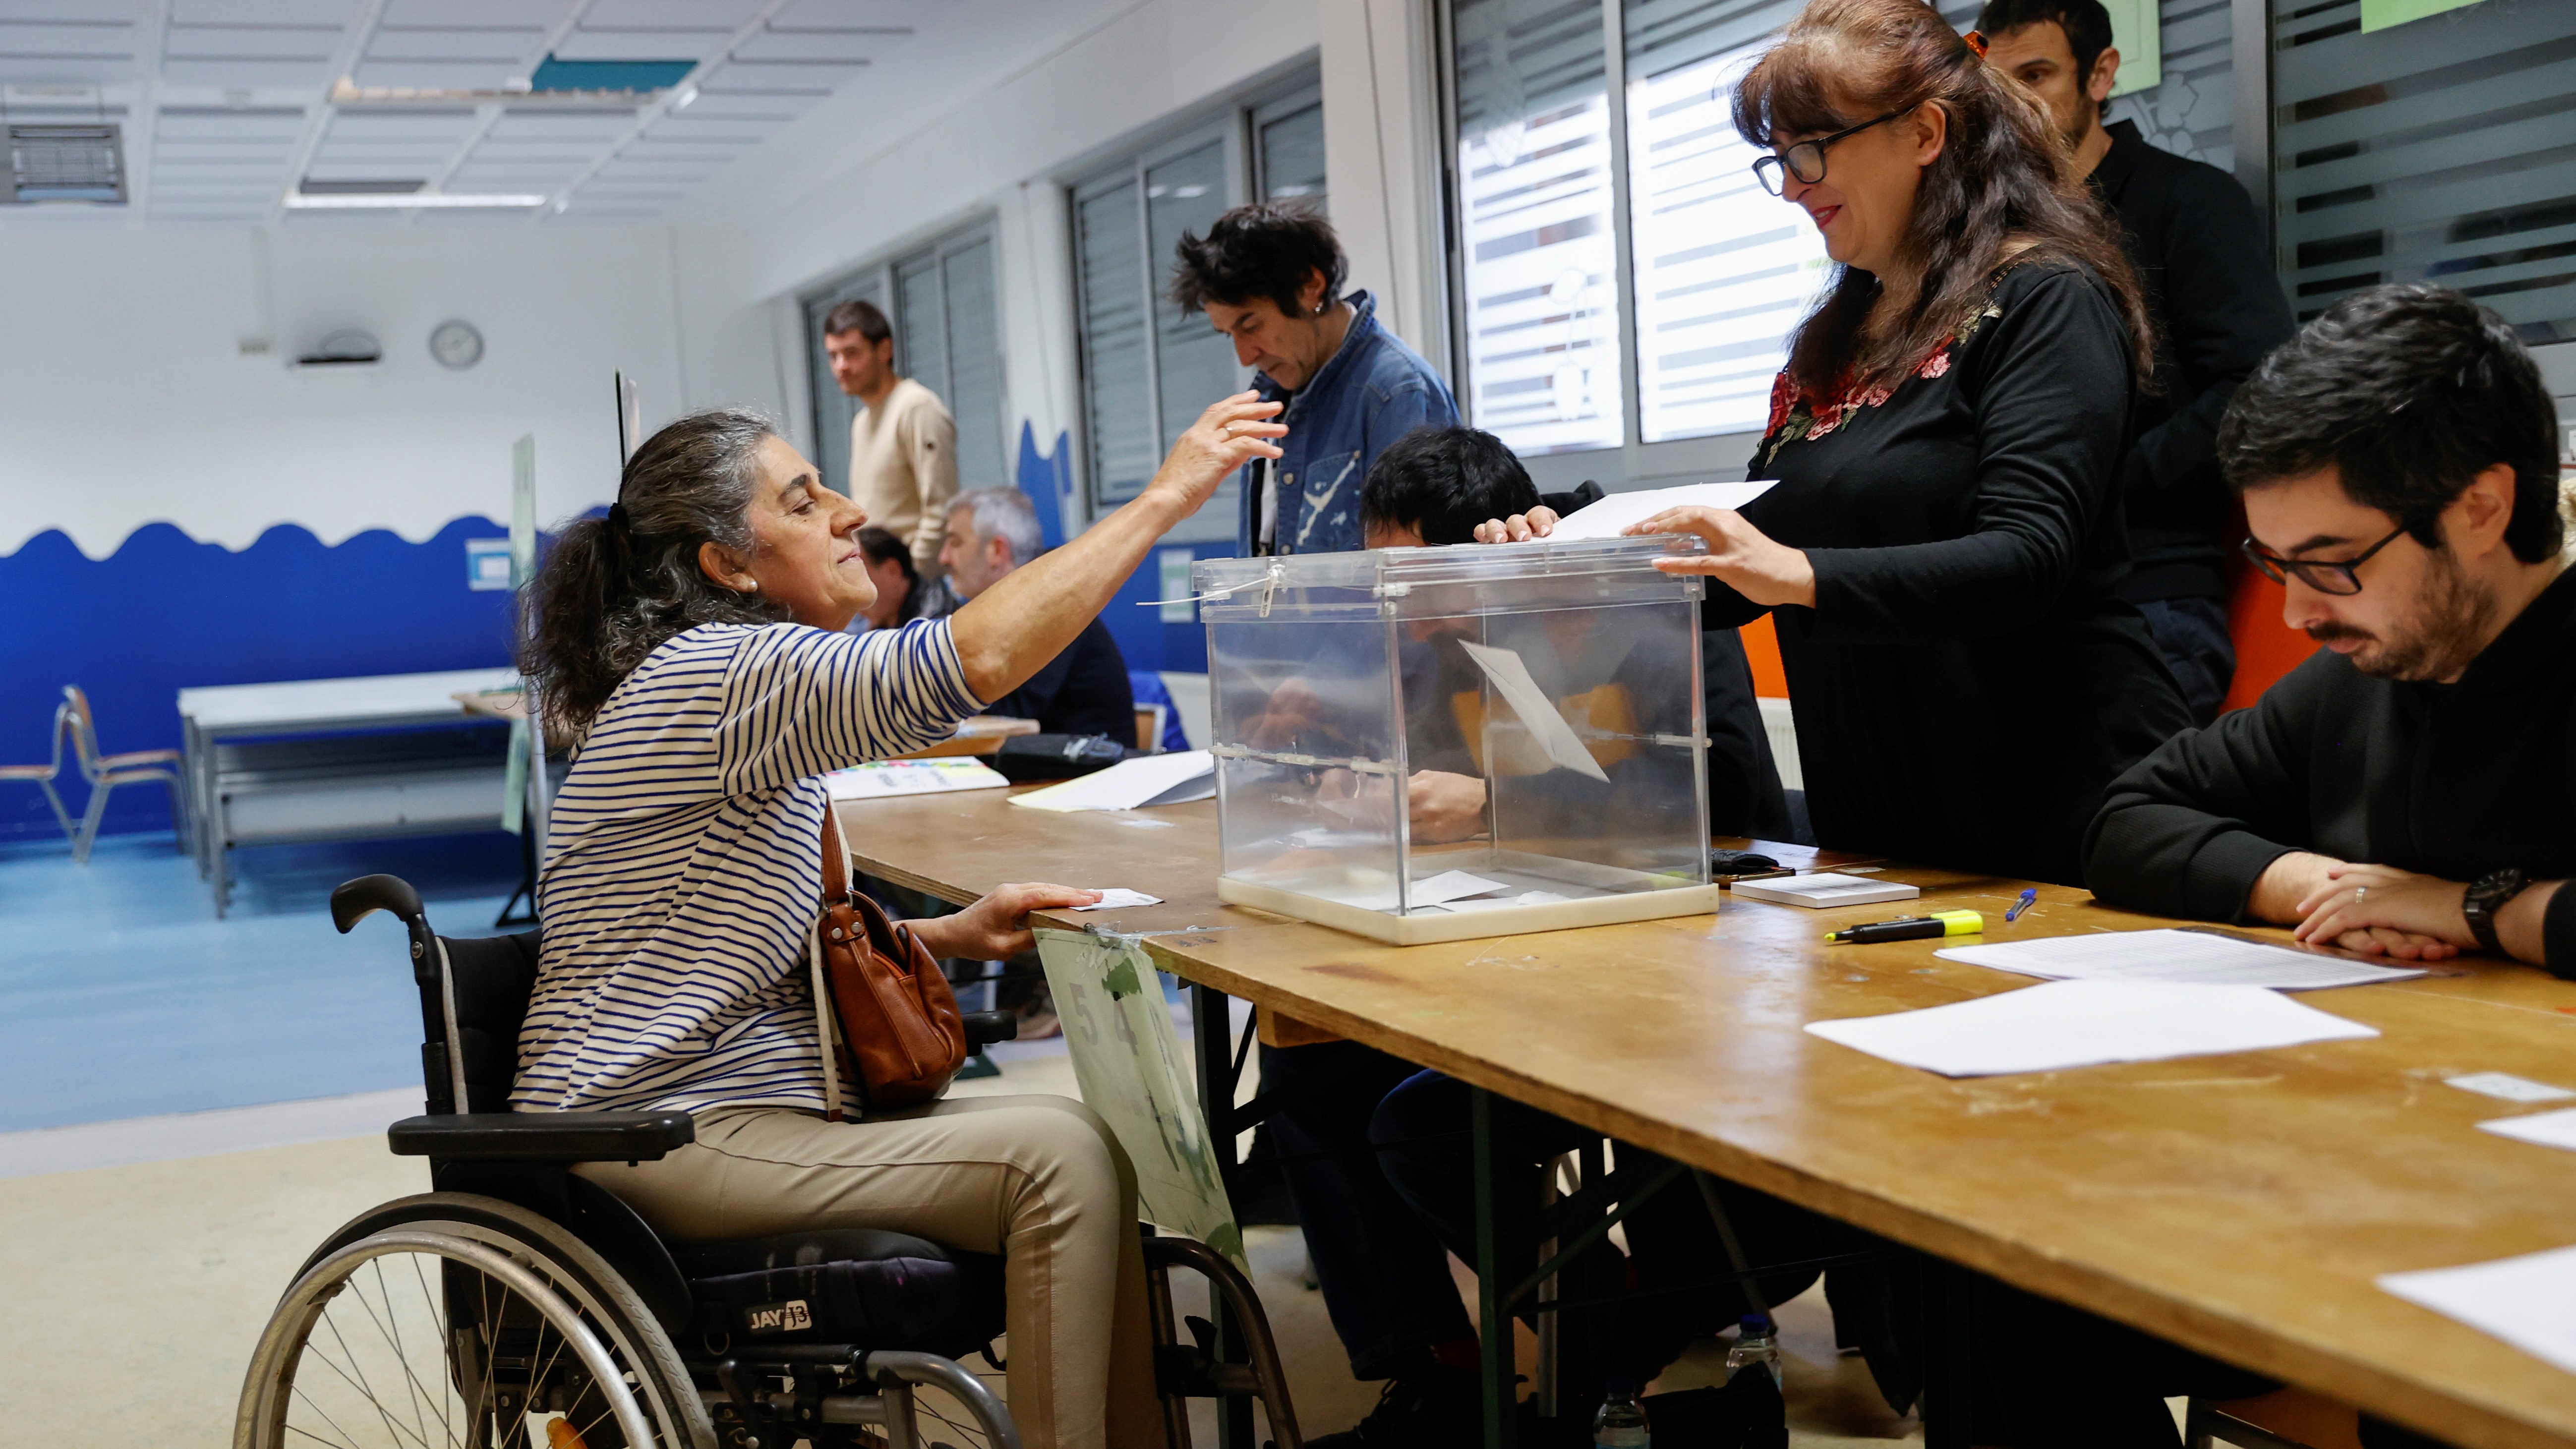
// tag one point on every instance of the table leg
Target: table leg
(1212, 1025)
(1949, 1383)
(1493, 1321)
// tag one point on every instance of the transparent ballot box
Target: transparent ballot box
(1431, 744)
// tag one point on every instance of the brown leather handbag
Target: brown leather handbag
(889, 1021)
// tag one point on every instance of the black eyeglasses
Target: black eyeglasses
(1806, 160)
(2326, 578)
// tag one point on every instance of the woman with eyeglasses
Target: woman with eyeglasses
(1939, 549)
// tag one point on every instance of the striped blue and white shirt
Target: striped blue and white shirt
(684, 862)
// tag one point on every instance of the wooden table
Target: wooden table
(2241, 1205)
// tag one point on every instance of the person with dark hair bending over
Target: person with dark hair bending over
(2407, 790)
(903, 595)
(692, 643)
(1270, 277)
(1941, 548)
(2192, 234)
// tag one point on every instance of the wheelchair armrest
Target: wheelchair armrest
(544, 1136)
(983, 1028)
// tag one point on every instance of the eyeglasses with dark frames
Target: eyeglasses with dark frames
(2342, 577)
(1806, 159)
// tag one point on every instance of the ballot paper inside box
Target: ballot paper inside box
(1431, 744)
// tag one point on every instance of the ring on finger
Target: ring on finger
(2358, 893)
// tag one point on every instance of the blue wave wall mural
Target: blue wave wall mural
(165, 613)
(1142, 636)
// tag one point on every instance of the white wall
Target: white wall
(129, 401)
(758, 238)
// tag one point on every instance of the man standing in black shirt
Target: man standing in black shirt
(2199, 250)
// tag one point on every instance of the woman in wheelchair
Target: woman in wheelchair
(691, 641)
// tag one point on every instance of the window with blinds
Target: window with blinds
(1148, 369)
(942, 302)
(2443, 149)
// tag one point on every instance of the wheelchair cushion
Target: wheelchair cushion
(874, 1290)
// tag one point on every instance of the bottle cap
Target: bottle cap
(1755, 1323)
(1619, 1386)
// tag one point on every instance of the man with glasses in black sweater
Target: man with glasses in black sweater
(2408, 791)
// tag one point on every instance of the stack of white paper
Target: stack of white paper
(2529, 1302)
(1824, 890)
(1614, 513)
(2171, 955)
(1173, 779)
(912, 777)
(2087, 1023)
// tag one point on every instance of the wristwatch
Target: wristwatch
(2486, 896)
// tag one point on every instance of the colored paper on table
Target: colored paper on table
(1511, 679)
(1608, 517)
(886, 778)
(2529, 1301)
(2203, 957)
(2064, 1024)
(1127, 1060)
(1173, 779)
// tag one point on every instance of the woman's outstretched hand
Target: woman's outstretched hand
(1232, 432)
(996, 928)
(1740, 556)
(1539, 522)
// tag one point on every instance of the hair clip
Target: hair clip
(1976, 41)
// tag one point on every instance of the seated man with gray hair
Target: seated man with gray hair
(1082, 691)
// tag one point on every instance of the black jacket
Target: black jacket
(2448, 780)
(1082, 691)
(2199, 250)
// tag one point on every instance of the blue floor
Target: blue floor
(121, 995)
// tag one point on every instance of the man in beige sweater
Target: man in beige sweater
(903, 443)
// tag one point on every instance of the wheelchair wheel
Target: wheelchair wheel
(450, 1321)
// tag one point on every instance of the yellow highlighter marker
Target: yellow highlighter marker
(1913, 928)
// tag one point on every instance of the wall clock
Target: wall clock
(456, 345)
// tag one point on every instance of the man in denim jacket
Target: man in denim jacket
(1270, 276)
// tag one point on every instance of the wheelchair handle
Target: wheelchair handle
(353, 901)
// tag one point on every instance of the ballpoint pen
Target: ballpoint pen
(2029, 898)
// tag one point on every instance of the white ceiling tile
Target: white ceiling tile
(247, 74)
(768, 109)
(65, 70)
(445, 127)
(516, 126)
(711, 131)
(213, 166)
(204, 125)
(456, 43)
(119, 12)
(264, 12)
(251, 42)
(725, 15)
(87, 40)
(437, 75)
(812, 45)
(509, 178)
(688, 171)
(589, 44)
(779, 77)
(541, 15)
(844, 14)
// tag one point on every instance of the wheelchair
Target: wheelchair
(519, 1305)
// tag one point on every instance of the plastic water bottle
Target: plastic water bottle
(1621, 1423)
(1756, 1342)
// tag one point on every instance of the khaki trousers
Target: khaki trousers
(1037, 1179)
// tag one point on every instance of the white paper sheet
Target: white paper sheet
(912, 777)
(1606, 518)
(2549, 1129)
(2529, 1302)
(2087, 1023)
(2506, 1087)
(1147, 779)
(1113, 897)
(2171, 955)
(1452, 885)
(1824, 890)
(1512, 681)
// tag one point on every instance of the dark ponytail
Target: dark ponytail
(612, 590)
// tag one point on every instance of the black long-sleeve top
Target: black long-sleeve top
(1966, 685)
(1082, 691)
(2199, 250)
(2448, 780)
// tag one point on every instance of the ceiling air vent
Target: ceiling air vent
(66, 163)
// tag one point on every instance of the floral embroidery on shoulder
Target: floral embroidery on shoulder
(1796, 416)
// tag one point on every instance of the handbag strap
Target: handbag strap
(836, 861)
(836, 891)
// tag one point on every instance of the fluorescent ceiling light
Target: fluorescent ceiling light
(405, 201)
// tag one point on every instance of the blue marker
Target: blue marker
(2029, 898)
